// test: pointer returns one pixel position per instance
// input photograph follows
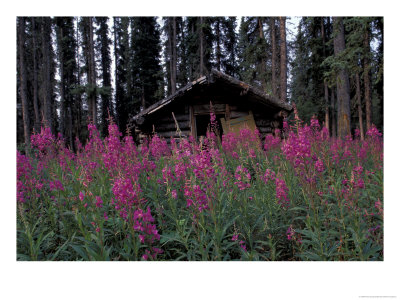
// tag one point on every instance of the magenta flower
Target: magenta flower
(99, 202)
(319, 165)
(290, 233)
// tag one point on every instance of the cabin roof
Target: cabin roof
(216, 76)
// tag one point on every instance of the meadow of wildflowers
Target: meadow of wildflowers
(304, 196)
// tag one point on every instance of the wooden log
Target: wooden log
(203, 109)
(263, 122)
(170, 119)
(264, 129)
(174, 134)
(238, 114)
(171, 126)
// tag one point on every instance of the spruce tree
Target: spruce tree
(146, 68)
(103, 49)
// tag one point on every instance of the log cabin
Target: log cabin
(235, 104)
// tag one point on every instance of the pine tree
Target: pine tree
(170, 30)
(229, 57)
(23, 81)
(47, 76)
(86, 27)
(35, 71)
(283, 58)
(122, 67)
(343, 86)
(252, 56)
(274, 57)
(199, 46)
(146, 68)
(66, 46)
(103, 48)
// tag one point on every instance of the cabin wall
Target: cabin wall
(186, 110)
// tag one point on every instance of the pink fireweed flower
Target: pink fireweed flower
(56, 186)
(290, 233)
(281, 193)
(158, 147)
(196, 196)
(105, 216)
(314, 123)
(271, 142)
(174, 194)
(235, 237)
(141, 238)
(81, 196)
(269, 175)
(242, 245)
(242, 177)
(358, 170)
(360, 183)
(319, 165)
(99, 202)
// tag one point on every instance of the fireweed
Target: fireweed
(296, 195)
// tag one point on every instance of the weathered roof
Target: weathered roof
(214, 76)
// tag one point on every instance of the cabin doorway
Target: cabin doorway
(203, 124)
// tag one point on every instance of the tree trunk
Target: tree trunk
(172, 52)
(78, 100)
(263, 63)
(274, 59)
(35, 79)
(117, 88)
(343, 95)
(283, 85)
(358, 95)
(174, 56)
(92, 74)
(326, 91)
(23, 81)
(62, 80)
(218, 49)
(46, 76)
(367, 79)
(333, 121)
(201, 48)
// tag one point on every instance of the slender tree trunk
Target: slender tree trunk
(283, 86)
(117, 88)
(263, 63)
(274, 58)
(78, 101)
(92, 74)
(201, 48)
(35, 79)
(333, 112)
(367, 79)
(62, 80)
(172, 52)
(218, 49)
(23, 81)
(46, 77)
(343, 85)
(360, 117)
(326, 91)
